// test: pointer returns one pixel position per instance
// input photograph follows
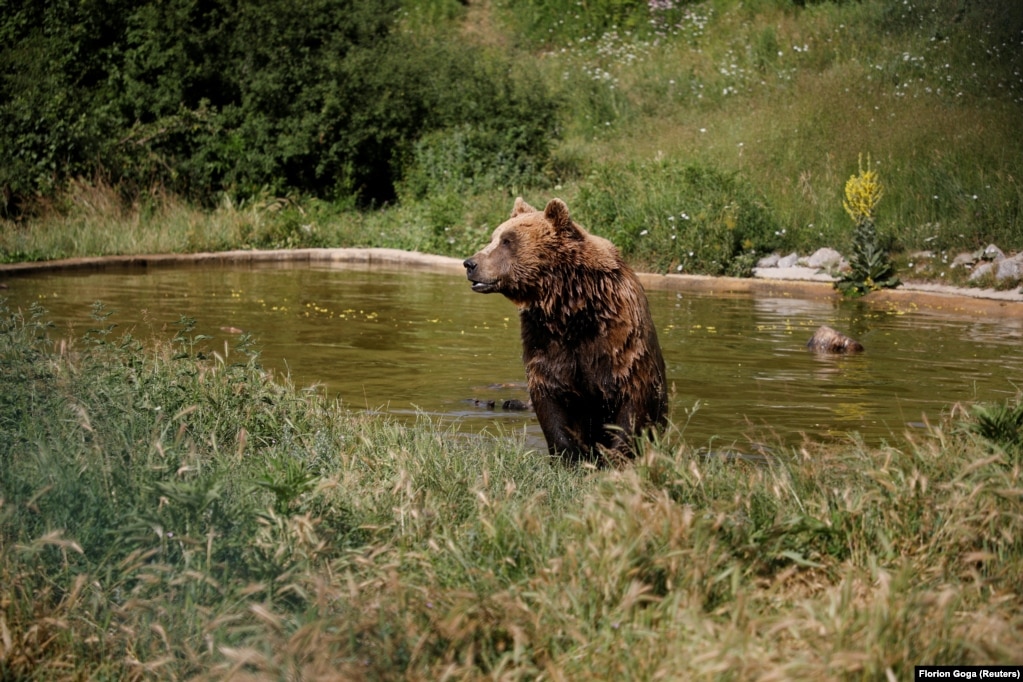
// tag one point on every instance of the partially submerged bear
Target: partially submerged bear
(593, 364)
(828, 340)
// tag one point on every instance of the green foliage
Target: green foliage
(679, 218)
(495, 124)
(173, 107)
(325, 99)
(469, 159)
(286, 224)
(253, 98)
(174, 512)
(288, 479)
(557, 22)
(432, 13)
(1001, 424)
(55, 112)
(870, 267)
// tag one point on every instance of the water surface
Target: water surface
(417, 343)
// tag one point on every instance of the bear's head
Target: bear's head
(534, 253)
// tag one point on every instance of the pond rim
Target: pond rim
(942, 299)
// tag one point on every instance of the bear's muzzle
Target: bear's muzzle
(472, 274)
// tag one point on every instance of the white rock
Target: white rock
(769, 261)
(788, 261)
(963, 259)
(1010, 268)
(992, 252)
(981, 270)
(825, 258)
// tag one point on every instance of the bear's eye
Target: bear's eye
(506, 241)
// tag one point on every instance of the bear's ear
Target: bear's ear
(521, 207)
(557, 213)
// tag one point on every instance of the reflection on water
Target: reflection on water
(411, 342)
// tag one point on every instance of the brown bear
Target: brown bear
(828, 340)
(593, 364)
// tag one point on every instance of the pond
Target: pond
(413, 343)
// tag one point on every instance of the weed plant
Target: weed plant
(1000, 424)
(177, 512)
(870, 268)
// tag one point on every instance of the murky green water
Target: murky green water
(412, 342)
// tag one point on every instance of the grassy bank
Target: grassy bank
(177, 513)
(762, 109)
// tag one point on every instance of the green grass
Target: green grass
(176, 512)
(791, 98)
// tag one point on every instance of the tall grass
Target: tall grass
(791, 97)
(94, 219)
(178, 513)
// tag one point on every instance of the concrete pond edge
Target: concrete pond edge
(797, 282)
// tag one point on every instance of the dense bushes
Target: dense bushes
(327, 98)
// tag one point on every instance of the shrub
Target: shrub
(55, 111)
(679, 218)
(469, 158)
(490, 125)
(324, 98)
(1000, 424)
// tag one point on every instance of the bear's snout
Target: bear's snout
(482, 283)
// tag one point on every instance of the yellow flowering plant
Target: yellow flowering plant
(870, 267)
(863, 193)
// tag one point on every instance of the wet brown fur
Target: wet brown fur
(828, 340)
(593, 363)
